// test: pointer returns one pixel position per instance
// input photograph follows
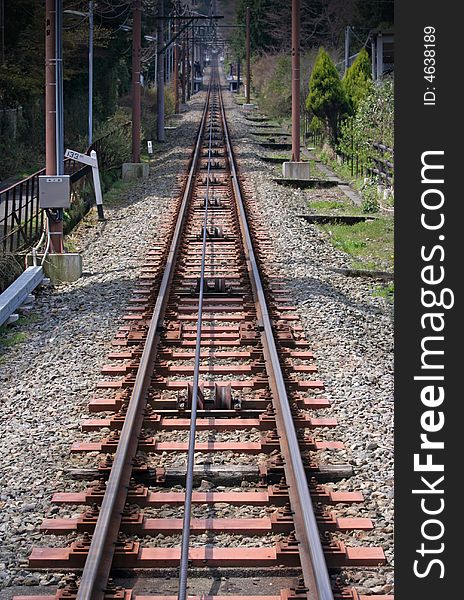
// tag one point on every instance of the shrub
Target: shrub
(169, 103)
(372, 122)
(316, 125)
(357, 82)
(148, 112)
(116, 140)
(272, 80)
(326, 98)
(370, 198)
(10, 269)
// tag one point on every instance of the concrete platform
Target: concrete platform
(295, 170)
(60, 268)
(131, 171)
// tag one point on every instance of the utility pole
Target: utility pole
(347, 47)
(160, 60)
(2, 27)
(136, 61)
(192, 72)
(296, 80)
(55, 223)
(238, 74)
(59, 87)
(296, 169)
(168, 55)
(91, 28)
(184, 68)
(248, 78)
(187, 72)
(176, 69)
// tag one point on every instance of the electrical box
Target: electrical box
(54, 191)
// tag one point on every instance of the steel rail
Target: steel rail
(98, 563)
(184, 557)
(312, 558)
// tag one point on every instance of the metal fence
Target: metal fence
(21, 218)
(376, 163)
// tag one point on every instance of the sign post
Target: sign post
(150, 151)
(91, 161)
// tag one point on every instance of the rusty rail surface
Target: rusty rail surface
(210, 344)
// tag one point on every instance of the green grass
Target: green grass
(386, 291)
(9, 337)
(326, 205)
(370, 243)
(70, 245)
(342, 170)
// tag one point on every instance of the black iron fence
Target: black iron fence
(376, 162)
(383, 163)
(21, 218)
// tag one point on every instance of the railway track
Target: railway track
(209, 403)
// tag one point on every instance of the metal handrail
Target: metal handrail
(22, 219)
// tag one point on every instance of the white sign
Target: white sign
(92, 161)
(150, 147)
(82, 158)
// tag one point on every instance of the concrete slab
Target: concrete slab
(60, 268)
(248, 106)
(353, 195)
(349, 192)
(18, 292)
(295, 170)
(131, 171)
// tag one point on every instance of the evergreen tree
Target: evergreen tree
(326, 98)
(259, 27)
(358, 80)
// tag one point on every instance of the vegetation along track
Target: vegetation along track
(212, 387)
